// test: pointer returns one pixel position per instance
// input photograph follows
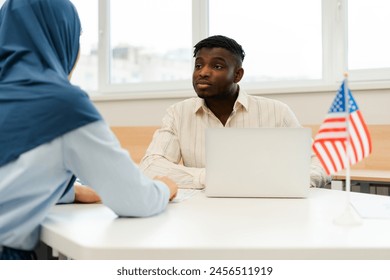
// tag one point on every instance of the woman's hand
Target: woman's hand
(171, 185)
(85, 194)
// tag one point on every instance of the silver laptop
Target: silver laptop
(258, 162)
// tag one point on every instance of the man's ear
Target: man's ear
(238, 75)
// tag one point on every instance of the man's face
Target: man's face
(214, 73)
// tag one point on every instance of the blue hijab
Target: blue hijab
(39, 44)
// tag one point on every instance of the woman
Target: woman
(50, 131)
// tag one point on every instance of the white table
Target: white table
(220, 228)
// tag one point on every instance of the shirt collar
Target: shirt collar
(242, 100)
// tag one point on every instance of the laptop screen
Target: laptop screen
(258, 162)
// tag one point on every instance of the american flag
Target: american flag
(330, 143)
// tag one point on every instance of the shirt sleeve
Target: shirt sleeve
(94, 155)
(68, 197)
(318, 176)
(163, 158)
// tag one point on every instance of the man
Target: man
(220, 103)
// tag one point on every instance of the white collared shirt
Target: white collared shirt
(178, 147)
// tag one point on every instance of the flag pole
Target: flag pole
(348, 142)
(349, 216)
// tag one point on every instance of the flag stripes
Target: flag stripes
(330, 143)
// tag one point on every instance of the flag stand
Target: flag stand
(349, 217)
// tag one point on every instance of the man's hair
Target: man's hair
(219, 41)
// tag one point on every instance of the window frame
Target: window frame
(334, 55)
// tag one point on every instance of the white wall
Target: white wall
(310, 108)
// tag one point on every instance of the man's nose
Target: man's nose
(204, 71)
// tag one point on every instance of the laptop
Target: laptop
(258, 162)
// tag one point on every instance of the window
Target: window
(86, 72)
(281, 38)
(368, 43)
(150, 41)
(141, 47)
